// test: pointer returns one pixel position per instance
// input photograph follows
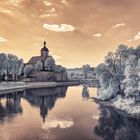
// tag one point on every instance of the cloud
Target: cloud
(15, 2)
(6, 11)
(47, 3)
(52, 10)
(2, 39)
(59, 27)
(97, 35)
(48, 15)
(96, 117)
(63, 124)
(118, 25)
(65, 3)
(136, 37)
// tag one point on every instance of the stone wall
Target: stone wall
(50, 76)
(61, 76)
(44, 76)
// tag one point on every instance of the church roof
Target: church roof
(34, 59)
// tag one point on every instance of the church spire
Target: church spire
(44, 44)
(44, 51)
(45, 47)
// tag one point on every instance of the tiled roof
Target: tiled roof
(34, 59)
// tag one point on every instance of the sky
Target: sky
(77, 32)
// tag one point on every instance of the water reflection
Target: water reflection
(45, 99)
(113, 125)
(11, 105)
(69, 119)
(55, 123)
(85, 92)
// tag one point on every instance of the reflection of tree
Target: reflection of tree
(117, 126)
(2, 110)
(45, 98)
(11, 106)
(85, 92)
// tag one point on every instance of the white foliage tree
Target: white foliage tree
(28, 70)
(111, 73)
(131, 77)
(2, 63)
(39, 66)
(50, 64)
(116, 62)
(59, 68)
(10, 65)
(138, 68)
(108, 84)
(86, 70)
(20, 68)
(17, 66)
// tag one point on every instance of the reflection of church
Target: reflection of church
(45, 98)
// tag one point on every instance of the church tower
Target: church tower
(44, 52)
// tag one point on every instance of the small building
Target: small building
(49, 70)
(44, 54)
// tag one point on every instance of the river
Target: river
(62, 113)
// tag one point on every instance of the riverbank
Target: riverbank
(122, 105)
(6, 87)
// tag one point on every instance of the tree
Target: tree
(122, 55)
(21, 65)
(138, 69)
(86, 70)
(39, 66)
(111, 73)
(132, 78)
(103, 75)
(2, 62)
(59, 68)
(50, 64)
(137, 51)
(12, 65)
(28, 70)
(108, 84)
(17, 66)
(116, 62)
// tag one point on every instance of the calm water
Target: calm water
(62, 114)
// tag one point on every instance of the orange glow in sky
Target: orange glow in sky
(77, 32)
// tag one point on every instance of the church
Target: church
(48, 71)
(44, 54)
